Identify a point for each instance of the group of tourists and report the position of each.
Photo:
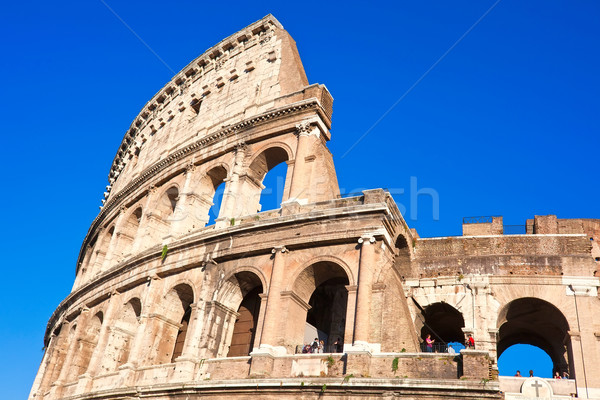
(318, 346)
(557, 374)
(469, 344)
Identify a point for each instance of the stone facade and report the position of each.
(166, 305)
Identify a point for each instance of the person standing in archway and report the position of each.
(429, 344)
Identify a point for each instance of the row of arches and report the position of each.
(525, 321)
(110, 336)
(189, 201)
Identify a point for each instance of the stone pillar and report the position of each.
(186, 217)
(95, 364)
(350, 313)
(67, 366)
(300, 188)
(363, 298)
(228, 204)
(143, 338)
(273, 317)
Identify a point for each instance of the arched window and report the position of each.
(253, 184)
(535, 322)
(210, 189)
(177, 307)
(181, 334)
(444, 323)
(323, 287)
(244, 288)
(122, 333)
(86, 344)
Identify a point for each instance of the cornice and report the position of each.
(233, 130)
(207, 61)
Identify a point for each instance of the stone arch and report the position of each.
(533, 321)
(122, 333)
(240, 299)
(101, 248)
(163, 215)
(129, 231)
(443, 322)
(322, 259)
(87, 340)
(251, 183)
(320, 307)
(206, 190)
(173, 327)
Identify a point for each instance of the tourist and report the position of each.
(429, 341)
(470, 342)
(321, 347)
(315, 345)
(518, 373)
(556, 375)
(339, 345)
(565, 375)
(531, 373)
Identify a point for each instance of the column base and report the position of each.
(360, 346)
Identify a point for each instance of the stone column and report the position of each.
(228, 204)
(67, 365)
(94, 367)
(273, 315)
(307, 136)
(143, 338)
(363, 298)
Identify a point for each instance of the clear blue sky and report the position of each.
(506, 124)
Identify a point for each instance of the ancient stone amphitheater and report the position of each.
(169, 305)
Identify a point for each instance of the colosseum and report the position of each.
(169, 303)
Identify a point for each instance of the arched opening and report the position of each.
(535, 322)
(254, 183)
(121, 336)
(444, 323)
(181, 334)
(525, 358)
(211, 190)
(161, 218)
(177, 305)
(243, 288)
(128, 233)
(274, 186)
(86, 344)
(60, 346)
(323, 287)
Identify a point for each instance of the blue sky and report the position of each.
(505, 124)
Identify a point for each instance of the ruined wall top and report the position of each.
(244, 75)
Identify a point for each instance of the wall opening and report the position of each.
(241, 292)
(177, 308)
(525, 358)
(244, 330)
(535, 322)
(444, 323)
(265, 193)
(323, 287)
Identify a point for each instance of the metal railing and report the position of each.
(486, 219)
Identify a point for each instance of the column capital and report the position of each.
(366, 239)
(307, 128)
